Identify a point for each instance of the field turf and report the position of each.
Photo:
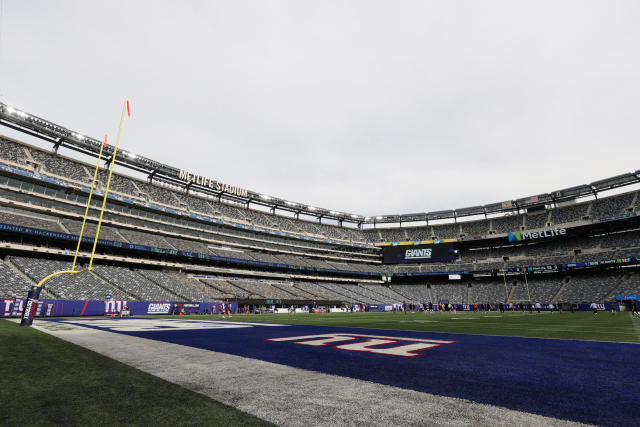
(63, 379)
(604, 326)
(47, 381)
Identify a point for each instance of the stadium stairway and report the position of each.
(614, 291)
(469, 294)
(160, 285)
(132, 296)
(195, 284)
(64, 228)
(363, 294)
(124, 239)
(510, 296)
(564, 282)
(46, 293)
(246, 288)
(213, 291)
(285, 289)
(399, 292)
(589, 208)
(375, 292)
(312, 289)
(346, 298)
(226, 292)
(301, 292)
(137, 189)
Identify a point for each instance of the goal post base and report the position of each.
(30, 306)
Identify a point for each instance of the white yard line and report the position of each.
(290, 396)
(636, 325)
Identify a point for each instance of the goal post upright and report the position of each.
(506, 290)
(125, 107)
(34, 293)
(526, 284)
(86, 211)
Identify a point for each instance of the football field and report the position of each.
(330, 369)
(603, 326)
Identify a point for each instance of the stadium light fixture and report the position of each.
(265, 197)
(311, 208)
(378, 217)
(11, 110)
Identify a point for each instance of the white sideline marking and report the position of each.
(139, 325)
(419, 321)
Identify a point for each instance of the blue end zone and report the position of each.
(590, 382)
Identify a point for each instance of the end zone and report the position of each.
(507, 372)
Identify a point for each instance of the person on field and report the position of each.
(594, 307)
(227, 308)
(634, 308)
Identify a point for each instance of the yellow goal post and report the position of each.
(34, 293)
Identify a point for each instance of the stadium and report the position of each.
(181, 244)
(180, 237)
(273, 235)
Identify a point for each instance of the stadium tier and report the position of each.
(171, 237)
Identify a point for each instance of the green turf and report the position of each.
(604, 326)
(47, 381)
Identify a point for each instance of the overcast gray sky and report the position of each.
(369, 107)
